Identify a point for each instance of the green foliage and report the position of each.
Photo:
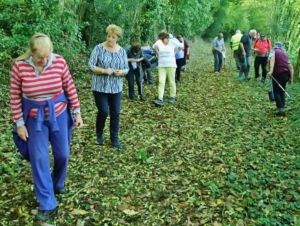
(142, 155)
(192, 17)
(21, 19)
(146, 18)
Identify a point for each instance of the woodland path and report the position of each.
(218, 157)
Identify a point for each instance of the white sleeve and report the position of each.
(175, 42)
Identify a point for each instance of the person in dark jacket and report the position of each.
(135, 59)
(281, 72)
(244, 54)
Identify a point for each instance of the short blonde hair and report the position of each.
(37, 42)
(112, 28)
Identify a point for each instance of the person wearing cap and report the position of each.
(42, 92)
(234, 45)
(244, 54)
(262, 47)
(281, 72)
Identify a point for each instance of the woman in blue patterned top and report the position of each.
(109, 65)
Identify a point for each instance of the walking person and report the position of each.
(165, 47)
(262, 47)
(281, 72)
(234, 45)
(109, 64)
(244, 54)
(218, 47)
(41, 92)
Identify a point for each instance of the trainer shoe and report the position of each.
(158, 102)
(171, 100)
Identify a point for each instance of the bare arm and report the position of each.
(291, 69)
(135, 59)
(242, 48)
(272, 62)
(99, 70)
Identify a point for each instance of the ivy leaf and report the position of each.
(130, 212)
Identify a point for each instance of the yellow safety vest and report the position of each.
(235, 41)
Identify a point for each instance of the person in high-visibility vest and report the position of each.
(234, 45)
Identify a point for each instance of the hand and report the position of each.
(119, 73)
(22, 132)
(270, 73)
(109, 71)
(78, 121)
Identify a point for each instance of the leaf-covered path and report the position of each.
(218, 157)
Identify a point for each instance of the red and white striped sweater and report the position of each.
(51, 82)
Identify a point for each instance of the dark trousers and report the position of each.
(135, 74)
(108, 103)
(236, 58)
(279, 94)
(218, 60)
(245, 66)
(261, 62)
(180, 63)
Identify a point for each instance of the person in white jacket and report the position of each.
(165, 48)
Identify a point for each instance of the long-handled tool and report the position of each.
(280, 86)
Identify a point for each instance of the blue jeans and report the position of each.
(218, 60)
(135, 74)
(108, 103)
(148, 73)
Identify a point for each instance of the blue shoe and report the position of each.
(171, 100)
(158, 102)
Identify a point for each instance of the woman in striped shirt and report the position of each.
(41, 90)
(109, 65)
